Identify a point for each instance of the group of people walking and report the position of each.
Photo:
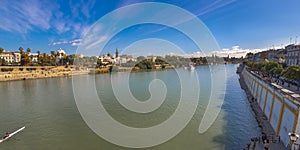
(266, 141)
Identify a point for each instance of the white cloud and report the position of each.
(82, 6)
(31, 15)
(237, 52)
(97, 42)
(58, 43)
(24, 16)
(214, 6)
(75, 42)
(86, 7)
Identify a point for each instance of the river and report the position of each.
(48, 110)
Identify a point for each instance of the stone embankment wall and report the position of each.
(277, 103)
(36, 74)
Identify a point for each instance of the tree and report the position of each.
(270, 65)
(292, 73)
(39, 55)
(44, 59)
(71, 59)
(99, 63)
(277, 70)
(53, 53)
(261, 65)
(2, 61)
(30, 60)
(21, 49)
(1, 50)
(140, 58)
(28, 50)
(25, 60)
(249, 55)
(63, 59)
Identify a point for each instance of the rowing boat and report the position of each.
(12, 134)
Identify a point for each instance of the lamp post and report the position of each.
(293, 137)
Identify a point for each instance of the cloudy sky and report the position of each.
(49, 25)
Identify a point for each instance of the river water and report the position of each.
(48, 110)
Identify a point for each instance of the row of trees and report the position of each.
(2, 61)
(276, 69)
(43, 59)
(146, 63)
(177, 61)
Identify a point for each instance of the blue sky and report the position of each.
(49, 25)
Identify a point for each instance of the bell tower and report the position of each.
(117, 53)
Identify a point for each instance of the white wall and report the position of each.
(275, 113)
(268, 104)
(286, 125)
(288, 116)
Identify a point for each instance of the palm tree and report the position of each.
(53, 59)
(44, 59)
(39, 53)
(24, 59)
(28, 50)
(53, 53)
(63, 59)
(1, 50)
(21, 49)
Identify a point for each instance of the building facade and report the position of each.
(33, 57)
(60, 54)
(11, 57)
(293, 55)
(17, 56)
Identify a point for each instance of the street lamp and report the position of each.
(294, 137)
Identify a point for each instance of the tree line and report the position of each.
(43, 59)
(291, 73)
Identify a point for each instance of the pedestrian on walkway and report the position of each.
(264, 137)
(267, 144)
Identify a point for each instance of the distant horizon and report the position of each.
(232, 53)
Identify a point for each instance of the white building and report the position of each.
(7, 56)
(106, 59)
(126, 58)
(17, 58)
(11, 57)
(293, 55)
(60, 53)
(33, 57)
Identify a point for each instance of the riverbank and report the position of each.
(31, 72)
(262, 120)
(38, 73)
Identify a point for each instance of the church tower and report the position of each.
(117, 53)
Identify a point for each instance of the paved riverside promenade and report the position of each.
(256, 143)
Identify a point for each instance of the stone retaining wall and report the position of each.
(278, 105)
